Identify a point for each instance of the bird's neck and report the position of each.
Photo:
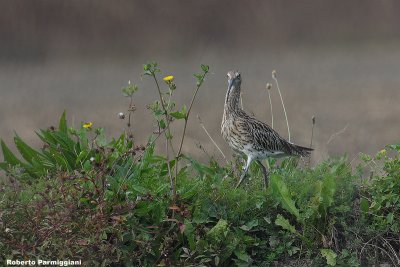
(232, 100)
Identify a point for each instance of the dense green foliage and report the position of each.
(110, 203)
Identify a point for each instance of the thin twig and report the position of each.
(391, 248)
(312, 130)
(185, 125)
(384, 251)
(209, 136)
(333, 136)
(283, 104)
(312, 137)
(270, 104)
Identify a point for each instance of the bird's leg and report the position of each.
(246, 169)
(265, 172)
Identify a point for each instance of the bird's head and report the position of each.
(234, 79)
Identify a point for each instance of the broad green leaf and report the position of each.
(9, 157)
(28, 153)
(330, 256)
(327, 191)
(281, 193)
(285, 224)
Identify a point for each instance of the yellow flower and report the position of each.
(168, 78)
(382, 152)
(87, 125)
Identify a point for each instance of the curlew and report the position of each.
(248, 136)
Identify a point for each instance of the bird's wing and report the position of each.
(265, 138)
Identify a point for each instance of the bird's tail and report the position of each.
(302, 151)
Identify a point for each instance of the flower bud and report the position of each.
(121, 115)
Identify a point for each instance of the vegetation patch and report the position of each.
(116, 203)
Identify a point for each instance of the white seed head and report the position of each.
(91, 159)
(121, 115)
(129, 82)
(274, 74)
(269, 86)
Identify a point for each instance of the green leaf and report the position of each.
(190, 234)
(281, 193)
(330, 256)
(390, 217)
(3, 166)
(139, 189)
(9, 157)
(28, 153)
(129, 90)
(184, 110)
(180, 114)
(242, 255)
(327, 191)
(198, 76)
(364, 205)
(216, 260)
(63, 124)
(217, 233)
(285, 224)
(248, 226)
(162, 124)
(205, 68)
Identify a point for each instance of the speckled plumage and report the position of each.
(249, 136)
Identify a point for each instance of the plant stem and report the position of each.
(272, 113)
(178, 155)
(283, 104)
(212, 140)
(167, 136)
(312, 136)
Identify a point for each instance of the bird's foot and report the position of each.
(241, 180)
(266, 180)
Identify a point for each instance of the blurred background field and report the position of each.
(339, 62)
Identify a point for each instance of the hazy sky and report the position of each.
(339, 61)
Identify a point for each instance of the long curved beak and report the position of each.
(230, 83)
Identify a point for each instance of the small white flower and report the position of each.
(121, 115)
(92, 159)
(7, 230)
